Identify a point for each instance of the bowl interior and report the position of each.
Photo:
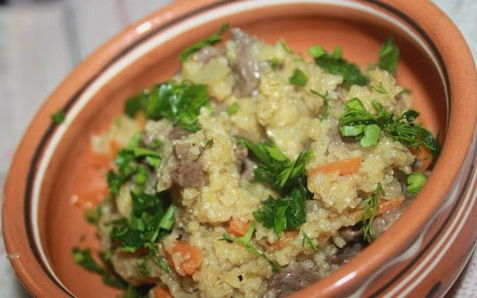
(71, 171)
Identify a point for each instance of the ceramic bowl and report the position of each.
(422, 254)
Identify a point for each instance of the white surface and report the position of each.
(40, 43)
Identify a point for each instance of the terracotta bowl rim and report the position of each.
(447, 41)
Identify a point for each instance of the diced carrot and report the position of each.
(100, 160)
(140, 121)
(389, 205)
(424, 155)
(158, 292)
(186, 258)
(114, 147)
(384, 206)
(90, 199)
(342, 167)
(238, 227)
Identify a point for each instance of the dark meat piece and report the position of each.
(207, 53)
(296, 276)
(246, 69)
(245, 164)
(351, 234)
(188, 171)
(382, 223)
(346, 254)
(247, 169)
(177, 133)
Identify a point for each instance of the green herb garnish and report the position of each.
(58, 117)
(211, 40)
(388, 56)
(83, 258)
(179, 102)
(285, 213)
(245, 241)
(162, 263)
(326, 104)
(288, 178)
(309, 242)
(151, 219)
(335, 64)
(274, 168)
(365, 126)
(415, 182)
(371, 207)
(233, 109)
(298, 78)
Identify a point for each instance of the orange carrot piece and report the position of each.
(141, 121)
(389, 205)
(342, 167)
(238, 227)
(114, 147)
(100, 160)
(158, 292)
(186, 258)
(384, 206)
(424, 155)
(90, 199)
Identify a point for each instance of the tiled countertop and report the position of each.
(41, 42)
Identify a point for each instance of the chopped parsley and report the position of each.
(179, 102)
(335, 64)
(365, 126)
(233, 109)
(326, 104)
(370, 211)
(288, 178)
(388, 56)
(58, 117)
(298, 78)
(275, 63)
(162, 263)
(245, 241)
(285, 47)
(415, 182)
(211, 40)
(152, 217)
(309, 242)
(275, 169)
(284, 213)
(83, 258)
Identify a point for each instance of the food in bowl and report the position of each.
(253, 171)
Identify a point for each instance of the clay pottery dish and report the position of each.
(424, 251)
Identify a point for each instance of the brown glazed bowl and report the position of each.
(422, 254)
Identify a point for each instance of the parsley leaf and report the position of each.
(151, 219)
(335, 64)
(274, 168)
(285, 213)
(233, 109)
(83, 258)
(58, 117)
(245, 241)
(211, 40)
(179, 102)
(415, 182)
(298, 78)
(388, 56)
(366, 127)
(371, 207)
(308, 241)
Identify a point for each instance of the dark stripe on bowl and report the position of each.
(45, 138)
